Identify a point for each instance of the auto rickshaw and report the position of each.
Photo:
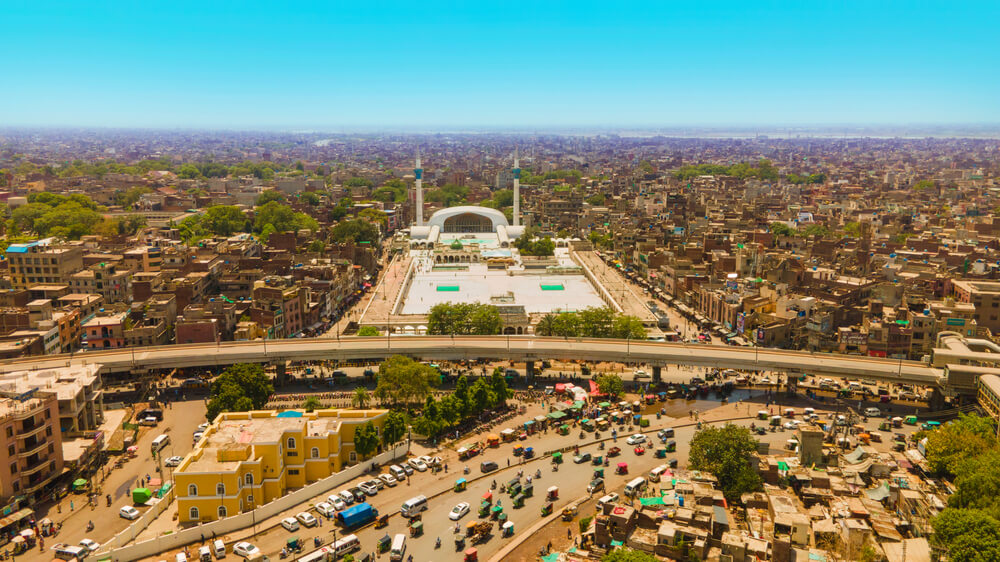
(518, 450)
(518, 501)
(599, 473)
(563, 429)
(671, 446)
(508, 529)
(416, 528)
(459, 541)
(471, 555)
(885, 426)
(488, 498)
(495, 512)
(557, 457)
(552, 493)
(661, 453)
(763, 414)
(484, 509)
(614, 451)
(514, 488)
(529, 452)
(384, 543)
(528, 490)
(910, 420)
(382, 521)
(547, 509)
(461, 484)
(775, 421)
(622, 468)
(569, 512)
(672, 463)
(293, 544)
(596, 461)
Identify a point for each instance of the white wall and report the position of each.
(120, 552)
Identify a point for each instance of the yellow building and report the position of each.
(247, 459)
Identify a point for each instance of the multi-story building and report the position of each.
(78, 391)
(147, 259)
(247, 459)
(280, 307)
(105, 279)
(104, 332)
(985, 295)
(41, 262)
(32, 457)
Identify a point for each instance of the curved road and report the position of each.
(513, 348)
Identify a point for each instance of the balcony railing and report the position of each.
(34, 448)
(35, 466)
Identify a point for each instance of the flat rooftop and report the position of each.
(66, 382)
(538, 293)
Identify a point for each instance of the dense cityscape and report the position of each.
(799, 357)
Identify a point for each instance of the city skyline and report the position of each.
(497, 66)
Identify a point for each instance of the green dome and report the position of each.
(456, 245)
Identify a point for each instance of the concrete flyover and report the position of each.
(514, 348)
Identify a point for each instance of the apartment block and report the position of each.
(32, 457)
(42, 262)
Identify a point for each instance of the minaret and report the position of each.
(418, 172)
(517, 190)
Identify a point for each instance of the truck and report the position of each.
(358, 515)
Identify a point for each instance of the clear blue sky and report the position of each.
(327, 65)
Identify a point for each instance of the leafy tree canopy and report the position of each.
(464, 319)
(764, 170)
(403, 380)
(240, 388)
(355, 230)
(728, 453)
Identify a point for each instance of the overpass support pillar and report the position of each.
(936, 400)
(657, 374)
(280, 373)
(529, 372)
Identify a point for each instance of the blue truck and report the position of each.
(358, 515)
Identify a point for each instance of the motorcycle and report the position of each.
(90, 526)
(493, 485)
(601, 446)
(438, 543)
(538, 473)
(581, 435)
(465, 470)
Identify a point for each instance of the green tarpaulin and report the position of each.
(556, 415)
(782, 465)
(651, 501)
(447, 288)
(558, 287)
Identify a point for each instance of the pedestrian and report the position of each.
(508, 461)
(71, 505)
(203, 538)
(569, 533)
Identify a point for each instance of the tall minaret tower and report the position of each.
(517, 190)
(418, 172)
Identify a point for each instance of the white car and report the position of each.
(636, 439)
(245, 550)
(640, 374)
(791, 424)
(346, 496)
(203, 426)
(368, 488)
(129, 512)
(418, 464)
(387, 479)
(89, 545)
(306, 519)
(379, 484)
(459, 511)
(290, 523)
(173, 461)
(337, 502)
(430, 461)
(326, 509)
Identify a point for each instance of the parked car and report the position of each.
(596, 485)
(636, 439)
(459, 511)
(387, 479)
(245, 550)
(89, 545)
(581, 458)
(337, 502)
(325, 509)
(377, 482)
(290, 523)
(306, 519)
(368, 488)
(488, 466)
(347, 496)
(418, 464)
(407, 469)
(129, 512)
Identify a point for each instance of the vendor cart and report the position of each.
(569, 512)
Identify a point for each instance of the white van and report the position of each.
(413, 506)
(397, 472)
(610, 498)
(398, 547)
(160, 442)
(219, 548)
(634, 487)
(346, 545)
(656, 473)
(205, 554)
(873, 412)
(69, 552)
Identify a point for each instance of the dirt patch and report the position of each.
(555, 534)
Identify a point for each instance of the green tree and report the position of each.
(596, 199)
(358, 182)
(240, 388)
(366, 440)
(924, 184)
(622, 554)
(403, 380)
(462, 394)
(968, 534)
(188, 172)
(311, 403)
(781, 229)
(356, 230)
(728, 453)
(546, 325)
(958, 441)
(366, 331)
(394, 428)
(464, 319)
(317, 246)
(852, 229)
(131, 196)
(361, 398)
(628, 327)
(498, 386)
(376, 216)
(482, 395)
(224, 220)
(270, 195)
(282, 218)
(610, 384)
(310, 198)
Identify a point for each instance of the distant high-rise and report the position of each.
(418, 173)
(517, 190)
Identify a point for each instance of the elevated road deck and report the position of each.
(513, 348)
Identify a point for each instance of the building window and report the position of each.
(10, 431)
(293, 472)
(11, 451)
(291, 443)
(315, 452)
(222, 511)
(220, 489)
(192, 491)
(248, 479)
(250, 499)
(193, 513)
(48, 431)
(353, 457)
